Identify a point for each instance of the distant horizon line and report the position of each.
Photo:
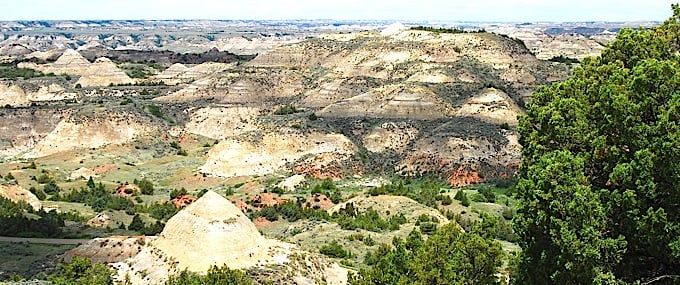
(338, 20)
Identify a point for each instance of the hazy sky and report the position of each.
(451, 10)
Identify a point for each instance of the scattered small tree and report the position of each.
(145, 186)
(136, 224)
(462, 197)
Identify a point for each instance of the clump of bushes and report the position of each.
(334, 249)
(145, 186)
(564, 59)
(155, 110)
(424, 191)
(438, 30)
(287, 110)
(350, 218)
(14, 72)
(462, 197)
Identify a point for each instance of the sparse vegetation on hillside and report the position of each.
(350, 218)
(11, 71)
(423, 191)
(291, 211)
(215, 276)
(161, 211)
(96, 197)
(174, 193)
(462, 197)
(328, 188)
(155, 110)
(335, 250)
(137, 71)
(438, 30)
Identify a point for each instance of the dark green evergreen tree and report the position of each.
(136, 224)
(598, 189)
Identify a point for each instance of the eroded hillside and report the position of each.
(404, 112)
(411, 102)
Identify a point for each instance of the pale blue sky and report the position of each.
(449, 10)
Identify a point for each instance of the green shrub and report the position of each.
(136, 224)
(44, 178)
(96, 197)
(269, 213)
(216, 275)
(462, 197)
(31, 166)
(438, 30)
(177, 192)
(276, 190)
(368, 241)
(38, 193)
(13, 72)
(428, 228)
(564, 59)
(161, 211)
(445, 199)
(508, 213)
(349, 218)
(81, 270)
(488, 194)
(287, 110)
(334, 249)
(145, 186)
(155, 110)
(51, 188)
(424, 191)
